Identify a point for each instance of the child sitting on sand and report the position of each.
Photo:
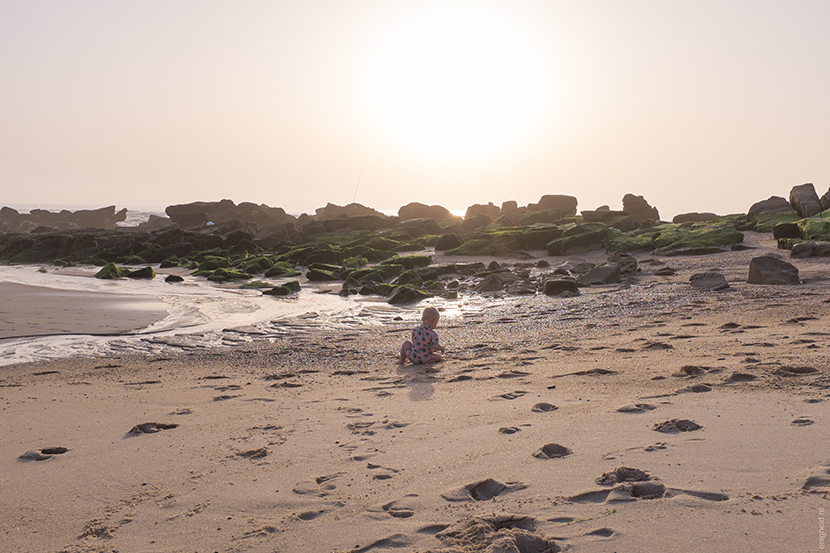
(424, 346)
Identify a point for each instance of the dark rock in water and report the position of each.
(145, 273)
(407, 294)
(416, 210)
(319, 275)
(805, 200)
(110, 271)
(774, 205)
(603, 274)
(173, 278)
(490, 211)
(639, 208)
(284, 289)
(694, 217)
(556, 286)
(772, 270)
(448, 242)
(565, 205)
(708, 281)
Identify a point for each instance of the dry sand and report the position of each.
(321, 442)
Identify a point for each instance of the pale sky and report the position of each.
(698, 106)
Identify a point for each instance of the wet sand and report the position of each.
(27, 311)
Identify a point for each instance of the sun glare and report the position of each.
(456, 89)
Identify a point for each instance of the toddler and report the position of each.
(424, 346)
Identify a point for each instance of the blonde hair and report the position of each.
(429, 315)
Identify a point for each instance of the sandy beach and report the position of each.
(647, 417)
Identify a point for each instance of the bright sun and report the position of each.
(457, 89)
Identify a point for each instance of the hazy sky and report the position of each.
(698, 106)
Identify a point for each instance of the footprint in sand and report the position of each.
(543, 408)
(42, 454)
(509, 395)
(509, 430)
(637, 408)
(319, 487)
(622, 474)
(151, 427)
(696, 389)
(802, 421)
(253, 453)
(552, 451)
(819, 480)
(676, 425)
(483, 490)
(496, 533)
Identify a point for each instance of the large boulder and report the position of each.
(416, 210)
(774, 205)
(617, 219)
(421, 226)
(772, 270)
(825, 201)
(639, 209)
(557, 286)
(694, 217)
(805, 200)
(272, 236)
(566, 205)
(448, 242)
(490, 211)
(332, 211)
(264, 215)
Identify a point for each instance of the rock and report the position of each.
(537, 217)
(502, 221)
(786, 230)
(803, 250)
(510, 206)
(407, 294)
(144, 273)
(448, 242)
(272, 236)
(565, 205)
(694, 217)
(417, 210)
(579, 239)
(822, 249)
(173, 278)
(805, 201)
(420, 226)
(774, 205)
(617, 219)
(665, 271)
(490, 211)
(557, 286)
(772, 270)
(825, 201)
(490, 283)
(708, 281)
(331, 211)
(521, 288)
(639, 209)
(628, 265)
(604, 274)
(109, 271)
(409, 262)
(695, 238)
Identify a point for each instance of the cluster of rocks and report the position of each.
(41, 220)
(371, 253)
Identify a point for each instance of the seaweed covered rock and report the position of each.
(774, 205)
(695, 238)
(143, 273)
(222, 275)
(448, 242)
(281, 268)
(407, 294)
(110, 271)
(257, 264)
(616, 219)
(174, 279)
(537, 236)
(565, 205)
(285, 289)
(410, 261)
(578, 238)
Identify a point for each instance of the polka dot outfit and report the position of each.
(424, 343)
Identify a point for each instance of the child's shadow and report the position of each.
(419, 378)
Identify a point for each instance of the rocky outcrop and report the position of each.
(490, 211)
(565, 205)
(825, 201)
(694, 217)
(774, 205)
(331, 211)
(639, 208)
(805, 201)
(417, 210)
(104, 218)
(201, 213)
(772, 270)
